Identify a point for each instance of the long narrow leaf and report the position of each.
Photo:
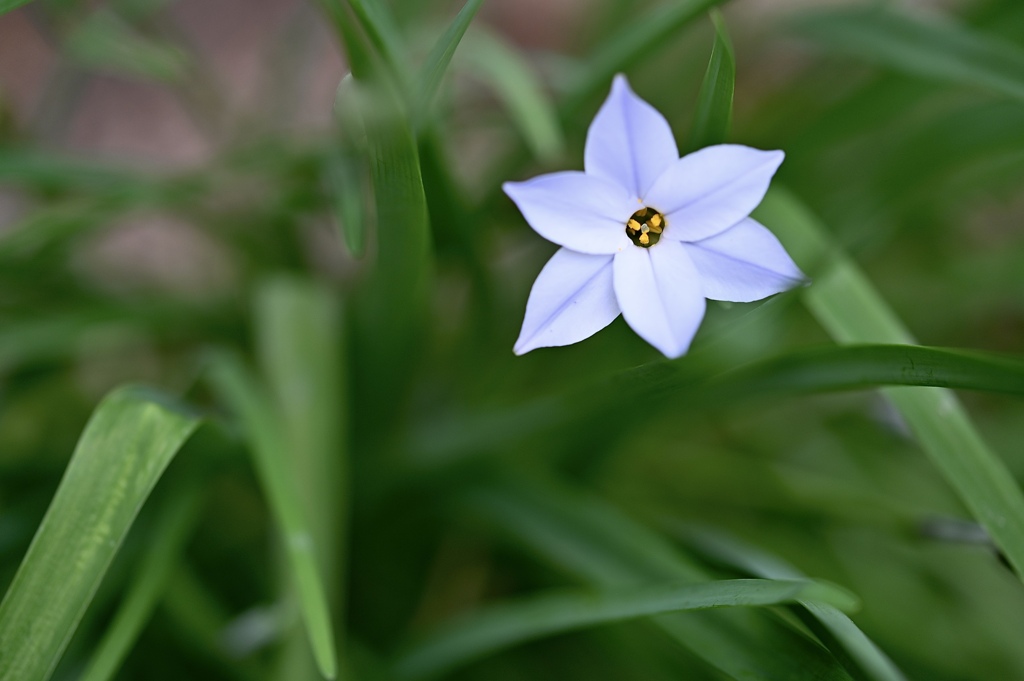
(630, 44)
(829, 369)
(933, 49)
(530, 109)
(8, 5)
(128, 443)
(370, 39)
(815, 370)
(847, 305)
(265, 432)
(757, 563)
(714, 101)
(393, 305)
(298, 340)
(597, 544)
(200, 619)
(152, 577)
(348, 167)
(440, 57)
(502, 626)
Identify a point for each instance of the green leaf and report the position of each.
(105, 41)
(847, 305)
(430, 75)
(829, 369)
(501, 67)
(701, 386)
(347, 190)
(758, 563)
(201, 620)
(393, 305)
(347, 167)
(714, 101)
(501, 626)
(401, 280)
(300, 346)
(170, 532)
(631, 44)
(372, 42)
(599, 545)
(932, 49)
(129, 441)
(265, 432)
(8, 5)
(375, 17)
(53, 224)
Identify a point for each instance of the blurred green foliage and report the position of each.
(381, 490)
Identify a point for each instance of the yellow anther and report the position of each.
(644, 227)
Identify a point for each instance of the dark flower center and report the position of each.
(644, 228)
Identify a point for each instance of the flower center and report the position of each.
(644, 228)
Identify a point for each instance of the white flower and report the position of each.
(647, 234)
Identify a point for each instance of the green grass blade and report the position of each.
(265, 432)
(829, 369)
(53, 224)
(348, 166)
(371, 41)
(201, 620)
(714, 101)
(875, 663)
(939, 50)
(129, 441)
(501, 67)
(401, 281)
(104, 41)
(501, 626)
(583, 536)
(599, 545)
(170, 532)
(433, 70)
(298, 342)
(847, 305)
(8, 5)
(347, 190)
(392, 307)
(755, 562)
(634, 42)
(704, 387)
(376, 20)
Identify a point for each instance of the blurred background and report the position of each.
(168, 167)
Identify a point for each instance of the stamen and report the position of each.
(645, 226)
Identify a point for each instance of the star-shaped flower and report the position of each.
(647, 234)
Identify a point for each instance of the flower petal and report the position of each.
(744, 263)
(572, 299)
(710, 190)
(659, 291)
(629, 142)
(586, 214)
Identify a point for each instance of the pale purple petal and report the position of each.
(659, 292)
(744, 263)
(629, 142)
(583, 213)
(572, 299)
(710, 190)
